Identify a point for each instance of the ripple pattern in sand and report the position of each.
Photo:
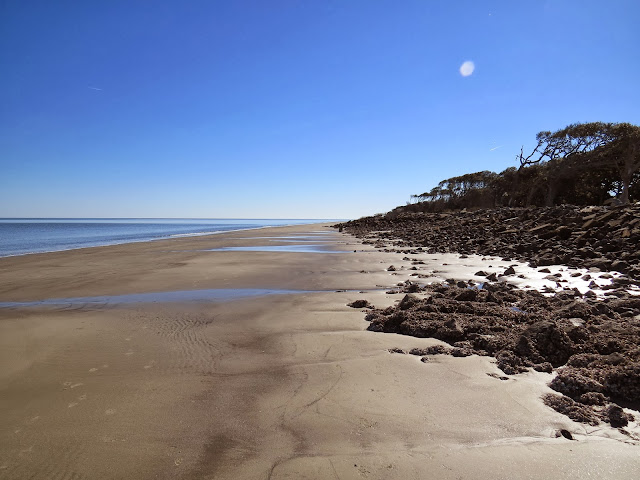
(192, 351)
(34, 460)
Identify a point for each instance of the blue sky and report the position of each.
(291, 109)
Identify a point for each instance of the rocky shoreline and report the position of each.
(591, 342)
(607, 238)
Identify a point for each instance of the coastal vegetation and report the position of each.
(582, 164)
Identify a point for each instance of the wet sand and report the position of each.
(275, 386)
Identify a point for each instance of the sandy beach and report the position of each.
(273, 386)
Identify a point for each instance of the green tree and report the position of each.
(623, 153)
(576, 148)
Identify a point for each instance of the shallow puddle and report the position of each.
(209, 295)
(277, 248)
(290, 238)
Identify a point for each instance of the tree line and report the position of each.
(582, 164)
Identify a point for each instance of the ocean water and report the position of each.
(20, 236)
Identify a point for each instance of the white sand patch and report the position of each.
(439, 267)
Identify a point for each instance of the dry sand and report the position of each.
(270, 387)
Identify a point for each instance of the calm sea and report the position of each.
(19, 236)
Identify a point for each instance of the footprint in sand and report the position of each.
(110, 411)
(71, 385)
(25, 451)
(81, 398)
(150, 365)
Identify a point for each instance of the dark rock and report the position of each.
(620, 265)
(592, 398)
(418, 351)
(360, 304)
(617, 417)
(437, 350)
(378, 325)
(548, 341)
(408, 301)
(543, 367)
(623, 382)
(460, 352)
(573, 384)
(370, 317)
(411, 287)
(566, 434)
(467, 295)
(575, 411)
(509, 363)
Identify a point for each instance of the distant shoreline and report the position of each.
(128, 242)
(20, 237)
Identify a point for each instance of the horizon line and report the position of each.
(163, 218)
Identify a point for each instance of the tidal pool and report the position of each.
(277, 248)
(207, 295)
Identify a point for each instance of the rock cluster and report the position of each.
(594, 344)
(360, 304)
(604, 237)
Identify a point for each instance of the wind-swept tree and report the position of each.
(623, 153)
(470, 189)
(563, 154)
(576, 148)
(581, 164)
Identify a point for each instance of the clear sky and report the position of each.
(291, 108)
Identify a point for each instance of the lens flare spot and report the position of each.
(467, 68)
